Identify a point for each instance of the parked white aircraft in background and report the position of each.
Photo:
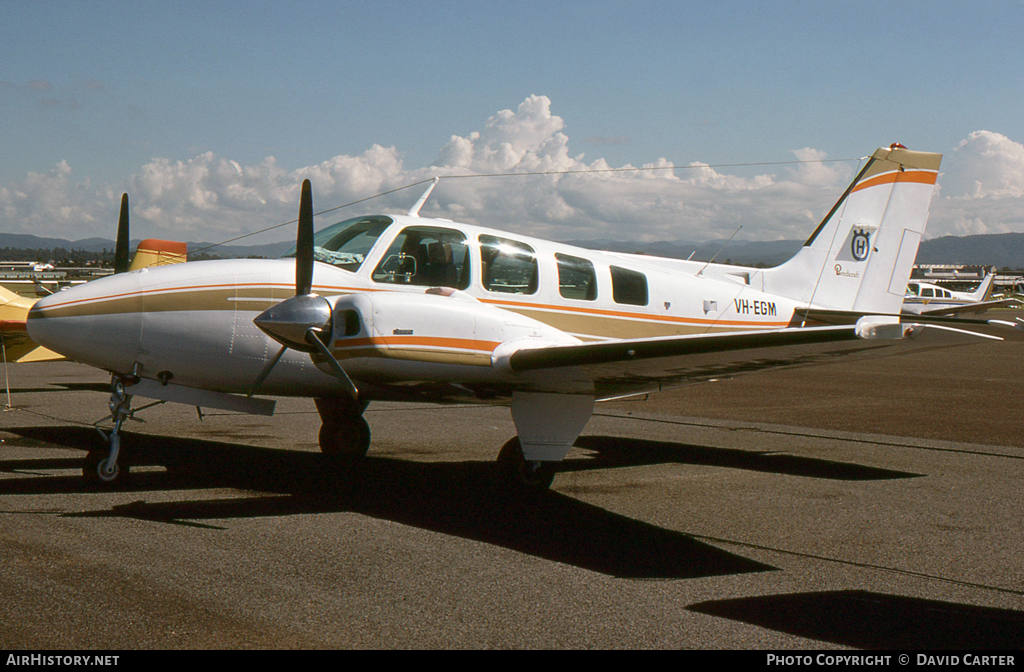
(924, 298)
(399, 307)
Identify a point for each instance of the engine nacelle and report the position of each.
(440, 327)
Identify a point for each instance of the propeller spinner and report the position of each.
(305, 320)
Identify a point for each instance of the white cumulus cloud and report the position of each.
(553, 192)
(981, 188)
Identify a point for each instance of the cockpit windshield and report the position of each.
(347, 243)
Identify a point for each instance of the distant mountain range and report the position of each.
(1005, 250)
(30, 242)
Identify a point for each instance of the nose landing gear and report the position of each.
(101, 466)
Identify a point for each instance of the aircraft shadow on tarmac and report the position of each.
(869, 620)
(464, 499)
(615, 452)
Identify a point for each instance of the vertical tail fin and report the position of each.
(860, 256)
(984, 290)
(153, 252)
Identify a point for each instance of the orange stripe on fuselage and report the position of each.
(421, 341)
(915, 176)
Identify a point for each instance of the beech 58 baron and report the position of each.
(399, 307)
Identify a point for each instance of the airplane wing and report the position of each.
(972, 308)
(627, 367)
(17, 346)
(647, 365)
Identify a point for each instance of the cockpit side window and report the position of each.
(507, 266)
(426, 255)
(347, 243)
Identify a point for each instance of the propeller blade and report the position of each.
(267, 369)
(121, 246)
(313, 339)
(304, 243)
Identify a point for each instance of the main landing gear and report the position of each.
(344, 434)
(529, 477)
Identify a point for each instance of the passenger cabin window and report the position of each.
(926, 291)
(507, 266)
(347, 243)
(576, 278)
(428, 256)
(629, 287)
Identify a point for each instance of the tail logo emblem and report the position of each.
(860, 244)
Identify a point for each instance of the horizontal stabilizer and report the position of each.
(1004, 330)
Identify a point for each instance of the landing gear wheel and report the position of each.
(524, 476)
(95, 470)
(345, 439)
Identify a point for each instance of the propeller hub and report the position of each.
(288, 321)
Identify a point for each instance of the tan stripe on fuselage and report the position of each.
(620, 324)
(578, 320)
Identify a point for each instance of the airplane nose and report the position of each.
(98, 323)
(39, 330)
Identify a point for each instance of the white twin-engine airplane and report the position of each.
(390, 307)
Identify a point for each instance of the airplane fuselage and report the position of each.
(193, 323)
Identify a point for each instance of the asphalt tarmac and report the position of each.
(871, 503)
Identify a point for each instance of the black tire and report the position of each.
(525, 477)
(345, 439)
(93, 472)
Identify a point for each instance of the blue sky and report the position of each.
(165, 99)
